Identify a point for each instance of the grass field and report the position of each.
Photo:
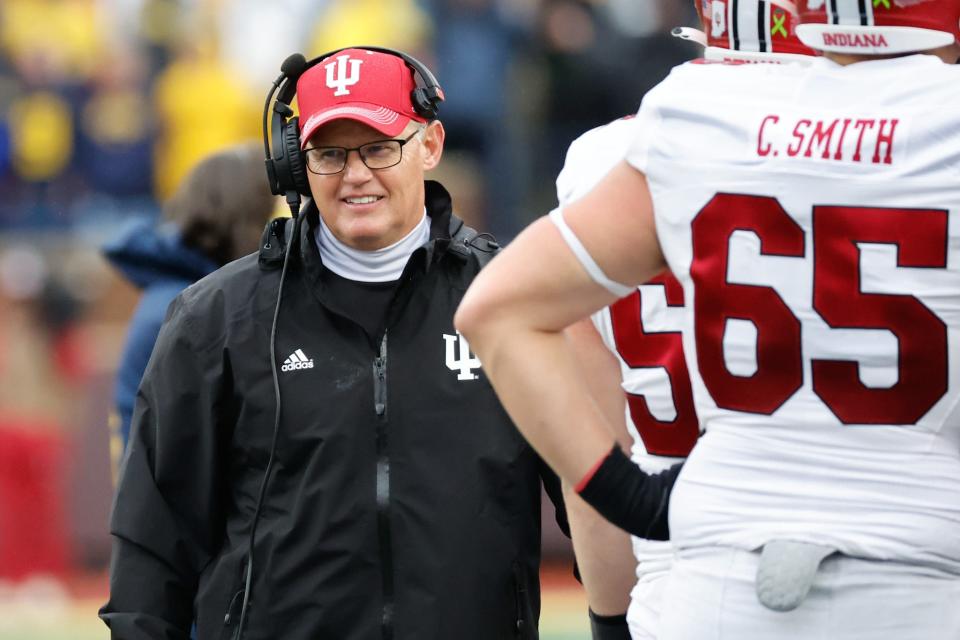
(44, 610)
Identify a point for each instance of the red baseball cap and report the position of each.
(367, 86)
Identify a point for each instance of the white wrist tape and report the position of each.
(596, 273)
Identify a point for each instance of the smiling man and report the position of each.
(393, 498)
(362, 203)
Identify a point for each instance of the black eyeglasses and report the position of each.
(380, 154)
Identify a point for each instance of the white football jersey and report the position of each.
(643, 331)
(812, 215)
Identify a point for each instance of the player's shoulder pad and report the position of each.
(602, 137)
(690, 84)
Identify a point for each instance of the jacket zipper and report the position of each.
(383, 488)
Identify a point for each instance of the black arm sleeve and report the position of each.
(167, 518)
(628, 497)
(609, 627)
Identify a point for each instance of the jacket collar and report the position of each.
(443, 224)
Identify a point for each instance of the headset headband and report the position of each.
(430, 83)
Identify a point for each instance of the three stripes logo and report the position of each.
(297, 360)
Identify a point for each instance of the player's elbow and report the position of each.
(480, 315)
(473, 316)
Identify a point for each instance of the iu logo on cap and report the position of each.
(339, 78)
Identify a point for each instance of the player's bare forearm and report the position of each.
(603, 550)
(604, 556)
(601, 371)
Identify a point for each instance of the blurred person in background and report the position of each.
(115, 138)
(44, 365)
(393, 495)
(398, 24)
(590, 58)
(9, 182)
(41, 134)
(196, 78)
(476, 49)
(215, 216)
(54, 49)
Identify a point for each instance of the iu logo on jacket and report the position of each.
(458, 357)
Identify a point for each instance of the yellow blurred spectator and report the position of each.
(398, 24)
(117, 112)
(42, 135)
(67, 31)
(201, 107)
(159, 22)
(116, 116)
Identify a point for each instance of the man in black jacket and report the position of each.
(394, 499)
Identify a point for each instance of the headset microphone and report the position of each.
(294, 65)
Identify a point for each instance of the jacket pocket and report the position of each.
(524, 623)
(232, 616)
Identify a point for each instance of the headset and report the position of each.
(286, 164)
(287, 173)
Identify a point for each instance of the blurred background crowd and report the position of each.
(105, 105)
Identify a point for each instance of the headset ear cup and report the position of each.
(420, 105)
(423, 104)
(296, 164)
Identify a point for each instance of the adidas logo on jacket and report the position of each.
(297, 360)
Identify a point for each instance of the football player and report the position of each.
(636, 342)
(810, 216)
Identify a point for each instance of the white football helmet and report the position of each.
(748, 31)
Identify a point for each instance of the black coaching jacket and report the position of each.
(402, 503)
